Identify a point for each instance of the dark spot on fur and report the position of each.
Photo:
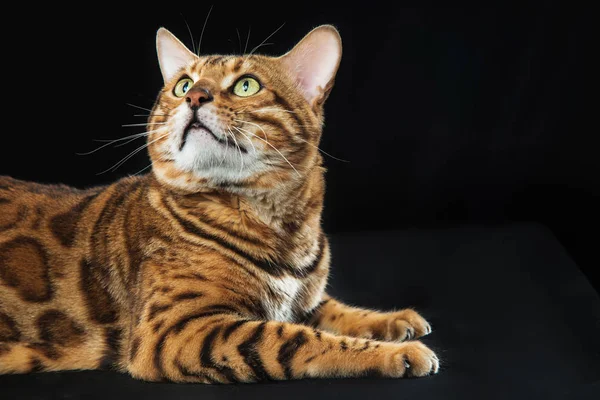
(113, 346)
(64, 226)
(24, 266)
(8, 329)
(288, 350)
(160, 252)
(249, 352)
(156, 309)
(101, 306)
(187, 296)
(135, 345)
(56, 327)
(372, 373)
(35, 365)
(318, 334)
(46, 349)
(4, 348)
(157, 326)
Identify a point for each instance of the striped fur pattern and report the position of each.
(212, 268)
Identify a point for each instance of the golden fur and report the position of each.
(191, 276)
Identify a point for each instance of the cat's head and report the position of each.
(240, 122)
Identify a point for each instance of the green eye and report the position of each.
(246, 86)
(182, 87)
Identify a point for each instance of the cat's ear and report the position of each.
(172, 54)
(314, 61)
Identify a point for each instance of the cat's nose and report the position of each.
(196, 96)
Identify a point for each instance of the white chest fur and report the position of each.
(279, 304)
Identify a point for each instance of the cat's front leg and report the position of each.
(339, 318)
(222, 348)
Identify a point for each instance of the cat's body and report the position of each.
(198, 271)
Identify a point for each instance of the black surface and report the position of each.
(512, 315)
(446, 114)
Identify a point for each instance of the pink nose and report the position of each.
(198, 95)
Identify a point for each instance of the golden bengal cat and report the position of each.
(211, 268)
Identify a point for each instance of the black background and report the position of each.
(447, 115)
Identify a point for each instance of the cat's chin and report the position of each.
(200, 132)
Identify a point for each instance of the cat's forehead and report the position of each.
(227, 68)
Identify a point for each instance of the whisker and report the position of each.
(150, 115)
(247, 39)
(225, 152)
(267, 38)
(274, 148)
(203, 27)
(133, 153)
(144, 124)
(263, 45)
(247, 138)
(162, 158)
(240, 150)
(322, 151)
(190, 32)
(141, 108)
(252, 123)
(111, 141)
(239, 38)
(129, 141)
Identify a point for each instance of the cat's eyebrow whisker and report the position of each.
(133, 153)
(274, 148)
(240, 150)
(203, 27)
(111, 141)
(263, 45)
(246, 136)
(190, 32)
(150, 115)
(239, 38)
(247, 39)
(321, 150)
(252, 123)
(263, 42)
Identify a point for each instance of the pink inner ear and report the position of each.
(314, 61)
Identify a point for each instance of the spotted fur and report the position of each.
(208, 269)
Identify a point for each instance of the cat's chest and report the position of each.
(281, 300)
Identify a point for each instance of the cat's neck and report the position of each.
(288, 207)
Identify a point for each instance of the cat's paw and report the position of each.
(411, 359)
(393, 326)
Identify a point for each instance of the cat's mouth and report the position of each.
(196, 124)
